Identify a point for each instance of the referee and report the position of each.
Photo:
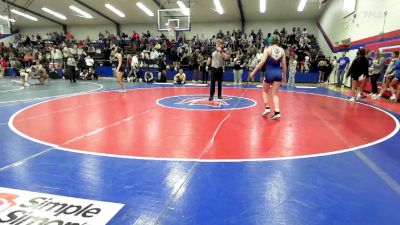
(217, 61)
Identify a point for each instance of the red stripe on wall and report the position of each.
(376, 46)
(335, 49)
(391, 34)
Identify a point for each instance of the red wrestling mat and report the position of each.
(135, 125)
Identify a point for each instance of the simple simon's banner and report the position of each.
(25, 207)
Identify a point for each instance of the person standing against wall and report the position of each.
(343, 62)
(322, 65)
(389, 75)
(377, 67)
(333, 76)
(292, 70)
(358, 72)
(395, 82)
(217, 62)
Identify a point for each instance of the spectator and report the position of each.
(237, 69)
(154, 55)
(195, 66)
(180, 78)
(133, 76)
(395, 82)
(358, 72)
(27, 59)
(203, 63)
(16, 65)
(292, 70)
(162, 70)
(74, 51)
(389, 75)
(322, 66)
(252, 63)
(148, 77)
(343, 62)
(57, 57)
(334, 65)
(377, 67)
(90, 66)
(4, 65)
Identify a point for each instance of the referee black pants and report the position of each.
(71, 73)
(216, 75)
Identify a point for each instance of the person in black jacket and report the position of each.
(358, 72)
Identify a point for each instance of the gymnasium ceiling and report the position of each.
(202, 11)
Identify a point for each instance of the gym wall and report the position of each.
(202, 29)
(363, 26)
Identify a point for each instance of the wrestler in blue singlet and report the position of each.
(273, 65)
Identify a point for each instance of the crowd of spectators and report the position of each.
(60, 51)
(54, 50)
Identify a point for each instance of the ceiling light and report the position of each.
(80, 11)
(6, 18)
(24, 15)
(349, 5)
(185, 11)
(218, 6)
(56, 14)
(145, 9)
(114, 10)
(302, 5)
(263, 6)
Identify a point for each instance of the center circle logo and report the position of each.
(201, 102)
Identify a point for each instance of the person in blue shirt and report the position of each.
(343, 62)
(395, 82)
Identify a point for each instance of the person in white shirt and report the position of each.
(133, 75)
(252, 63)
(145, 57)
(154, 54)
(292, 70)
(335, 65)
(80, 51)
(74, 51)
(259, 55)
(25, 73)
(258, 58)
(57, 57)
(90, 65)
(66, 53)
(135, 62)
(216, 62)
(180, 78)
(307, 64)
